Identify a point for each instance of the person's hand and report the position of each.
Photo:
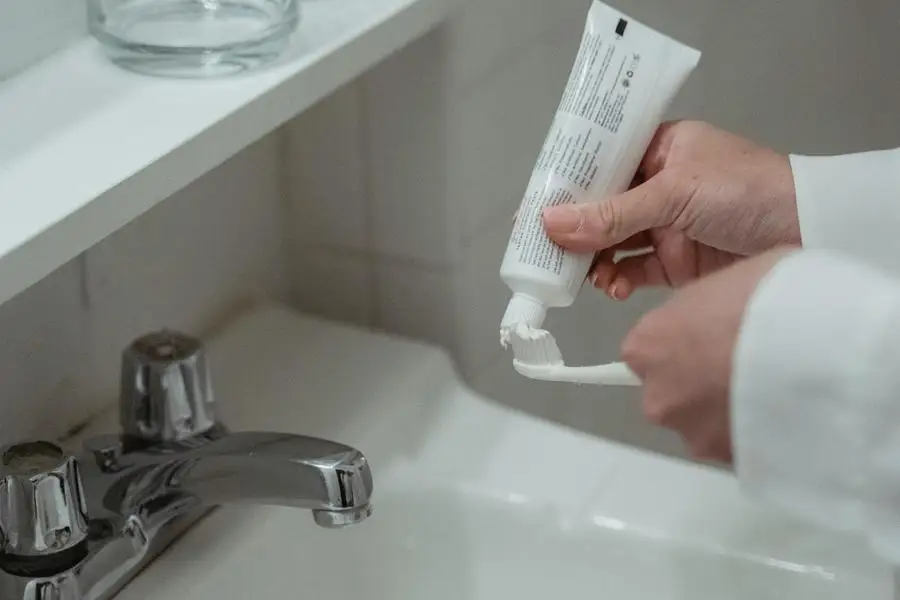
(682, 352)
(703, 198)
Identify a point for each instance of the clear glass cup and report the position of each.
(193, 38)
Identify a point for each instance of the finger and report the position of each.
(635, 272)
(602, 275)
(600, 225)
(603, 269)
(680, 255)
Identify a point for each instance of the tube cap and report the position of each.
(524, 309)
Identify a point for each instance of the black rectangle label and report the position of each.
(620, 28)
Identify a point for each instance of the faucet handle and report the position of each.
(166, 393)
(42, 505)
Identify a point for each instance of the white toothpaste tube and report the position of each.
(624, 79)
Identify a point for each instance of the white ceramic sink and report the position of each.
(476, 502)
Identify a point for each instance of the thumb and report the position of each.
(599, 225)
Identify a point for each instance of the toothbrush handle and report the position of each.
(616, 373)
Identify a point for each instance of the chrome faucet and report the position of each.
(81, 527)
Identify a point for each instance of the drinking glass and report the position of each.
(193, 38)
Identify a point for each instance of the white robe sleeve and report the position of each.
(851, 203)
(816, 375)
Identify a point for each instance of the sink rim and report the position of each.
(412, 388)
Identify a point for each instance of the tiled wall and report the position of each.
(402, 188)
(189, 263)
(404, 183)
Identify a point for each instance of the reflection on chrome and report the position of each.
(80, 528)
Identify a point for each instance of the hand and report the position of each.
(683, 351)
(703, 199)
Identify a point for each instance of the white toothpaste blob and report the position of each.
(624, 79)
(534, 346)
(520, 331)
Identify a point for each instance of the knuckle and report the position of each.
(648, 326)
(608, 219)
(674, 179)
(663, 415)
(633, 350)
(693, 128)
(679, 184)
(638, 346)
(656, 413)
(688, 133)
(670, 177)
(708, 448)
(660, 410)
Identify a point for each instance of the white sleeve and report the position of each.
(816, 395)
(851, 203)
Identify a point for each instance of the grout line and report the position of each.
(368, 185)
(289, 202)
(86, 300)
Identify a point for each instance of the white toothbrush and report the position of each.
(537, 356)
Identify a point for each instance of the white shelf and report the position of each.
(85, 147)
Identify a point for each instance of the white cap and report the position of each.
(526, 310)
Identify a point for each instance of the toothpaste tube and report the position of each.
(624, 79)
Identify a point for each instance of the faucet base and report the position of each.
(155, 545)
(114, 558)
(119, 504)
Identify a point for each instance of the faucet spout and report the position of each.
(80, 527)
(160, 482)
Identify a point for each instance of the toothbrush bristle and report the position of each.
(538, 348)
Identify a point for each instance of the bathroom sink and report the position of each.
(474, 501)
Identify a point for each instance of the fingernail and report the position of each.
(617, 290)
(592, 279)
(562, 219)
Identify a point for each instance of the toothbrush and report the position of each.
(537, 356)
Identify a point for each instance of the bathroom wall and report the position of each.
(401, 190)
(32, 29)
(190, 263)
(404, 183)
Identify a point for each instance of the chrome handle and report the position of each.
(42, 505)
(166, 394)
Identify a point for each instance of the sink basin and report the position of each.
(474, 501)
